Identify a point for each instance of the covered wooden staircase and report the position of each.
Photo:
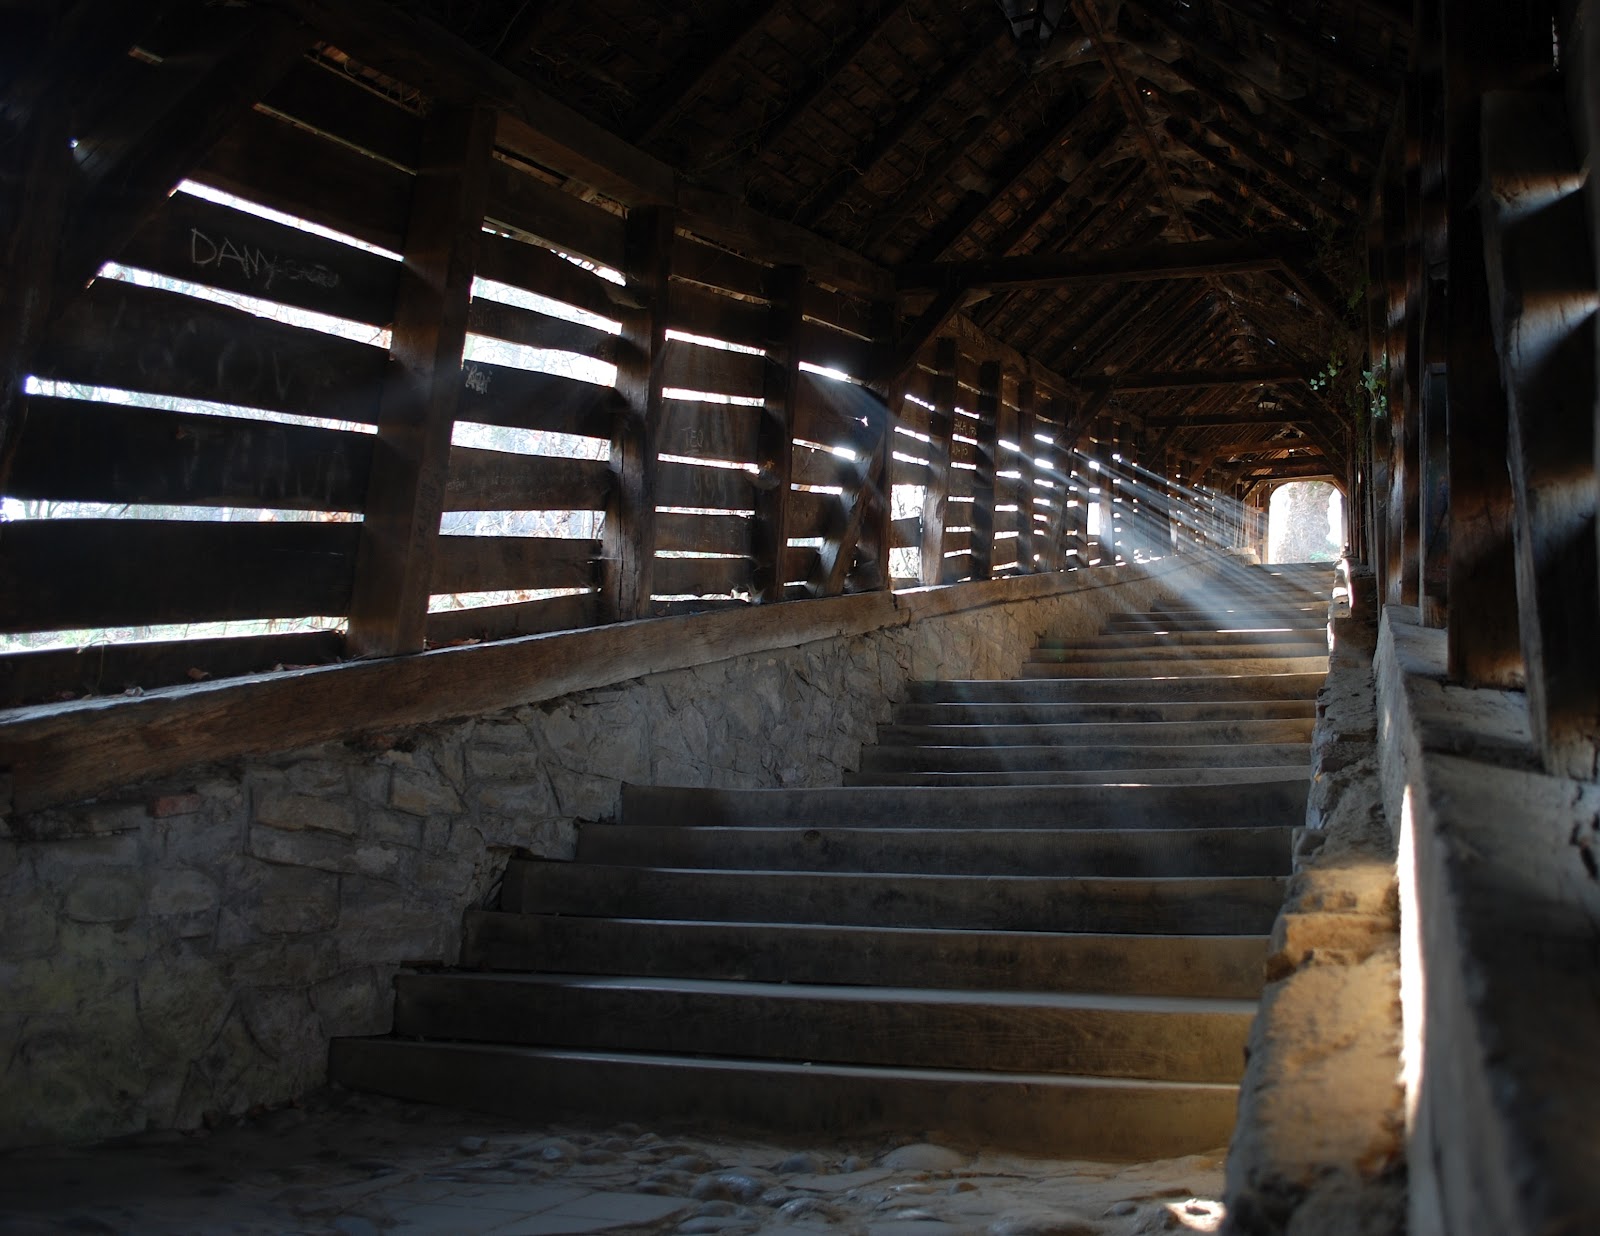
(1037, 919)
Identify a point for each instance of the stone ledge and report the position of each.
(1502, 914)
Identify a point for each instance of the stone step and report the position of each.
(1109, 779)
(951, 851)
(1302, 685)
(1230, 905)
(1091, 734)
(1280, 799)
(1157, 1038)
(1100, 757)
(1222, 966)
(1002, 713)
(1202, 656)
(1313, 634)
(1154, 668)
(1041, 1114)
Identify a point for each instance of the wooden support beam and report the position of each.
(1542, 295)
(405, 496)
(1199, 379)
(775, 438)
(838, 551)
(1189, 260)
(902, 357)
(1484, 646)
(985, 452)
(941, 425)
(1027, 419)
(628, 579)
(897, 128)
(1316, 47)
(685, 83)
(1218, 420)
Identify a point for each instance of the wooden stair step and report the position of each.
(1194, 639)
(1153, 1037)
(1043, 1114)
(1141, 853)
(1279, 800)
(1155, 651)
(1231, 905)
(1005, 713)
(1221, 966)
(1113, 780)
(1099, 733)
(1157, 669)
(1300, 685)
(1101, 757)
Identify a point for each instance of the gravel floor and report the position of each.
(354, 1165)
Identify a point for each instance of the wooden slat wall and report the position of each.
(765, 480)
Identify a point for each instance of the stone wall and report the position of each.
(184, 948)
(1319, 1149)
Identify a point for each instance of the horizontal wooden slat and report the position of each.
(834, 414)
(810, 514)
(688, 366)
(957, 542)
(958, 568)
(492, 563)
(799, 563)
(110, 669)
(522, 203)
(961, 482)
(72, 450)
(832, 350)
(500, 481)
(526, 399)
(837, 309)
(709, 430)
(697, 605)
(536, 269)
(327, 100)
(824, 468)
(72, 573)
(706, 264)
(276, 164)
(487, 622)
(197, 241)
(537, 330)
(705, 534)
(727, 489)
(702, 576)
(696, 311)
(139, 339)
(907, 532)
(913, 416)
(1005, 552)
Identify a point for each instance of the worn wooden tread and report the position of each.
(1103, 757)
(1099, 733)
(1299, 685)
(1154, 1037)
(1026, 1112)
(1000, 712)
(968, 851)
(1223, 966)
(1114, 780)
(1275, 800)
(1157, 671)
(1225, 905)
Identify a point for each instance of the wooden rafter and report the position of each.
(1310, 43)
(862, 164)
(687, 82)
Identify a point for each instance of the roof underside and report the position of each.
(915, 131)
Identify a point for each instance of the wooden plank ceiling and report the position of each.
(915, 132)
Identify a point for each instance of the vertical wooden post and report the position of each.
(1027, 397)
(983, 482)
(1053, 551)
(1484, 647)
(1542, 292)
(775, 437)
(935, 499)
(405, 496)
(630, 531)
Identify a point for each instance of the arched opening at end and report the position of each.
(1305, 523)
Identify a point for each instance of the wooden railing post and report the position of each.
(1027, 397)
(941, 424)
(628, 581)
(405, 497)
(983, 482)
(775, 439)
